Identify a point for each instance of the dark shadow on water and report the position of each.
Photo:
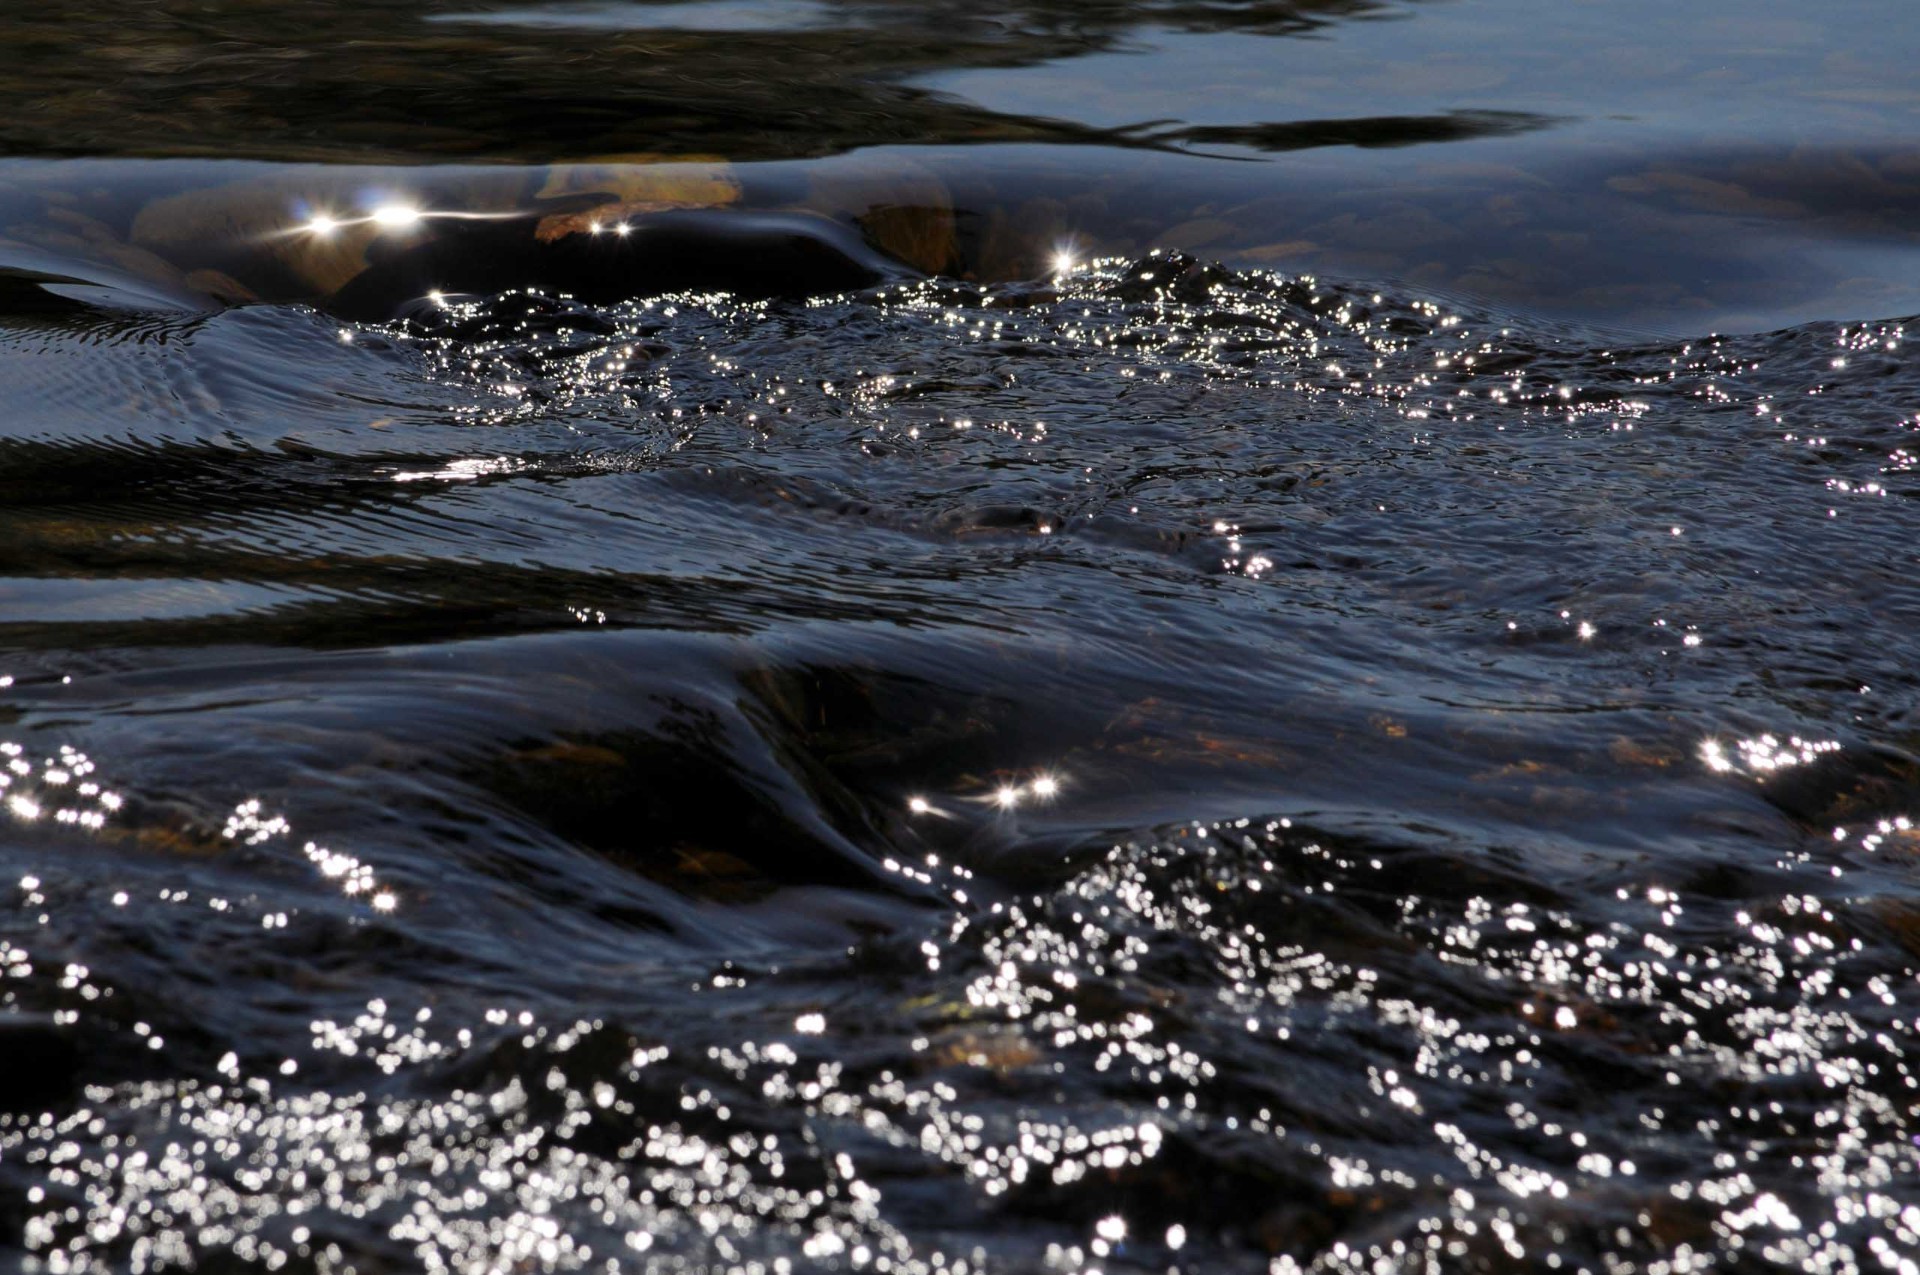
(451, 79)
(1369, 132)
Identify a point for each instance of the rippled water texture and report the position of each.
(1178, 768)
(959, 638)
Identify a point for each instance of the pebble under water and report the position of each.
(1159, 768)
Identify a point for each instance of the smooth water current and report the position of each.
(1041, 710)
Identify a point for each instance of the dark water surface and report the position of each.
(998, 725)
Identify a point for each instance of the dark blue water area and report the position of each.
(914, 639)
(1686, 167)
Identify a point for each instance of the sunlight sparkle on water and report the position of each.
(1362, 1018)
(393, 215)
(396, 216)
(1044, 786)
(1765, 754)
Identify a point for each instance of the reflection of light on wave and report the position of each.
(393, 215)
(396, 216)
(460, 471)
(1067, 256)
(1765, 754)
(33, 794)
(1044, 786)
(247, 826)
(61, 788)
(1768, 755)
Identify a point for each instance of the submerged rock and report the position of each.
(747, 254)
(366, 243)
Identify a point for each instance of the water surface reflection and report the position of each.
(1188, 699)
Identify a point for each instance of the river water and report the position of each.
(1223, 637)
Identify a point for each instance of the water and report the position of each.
(1091, 748)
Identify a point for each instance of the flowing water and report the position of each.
(1224, 637)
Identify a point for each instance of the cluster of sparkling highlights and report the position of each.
(250, 826)
(60, 788)
(1766, 753)
(399, 216)
(1540, 1030)
(386, 216)
(1043, 786)
(757, 1142)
